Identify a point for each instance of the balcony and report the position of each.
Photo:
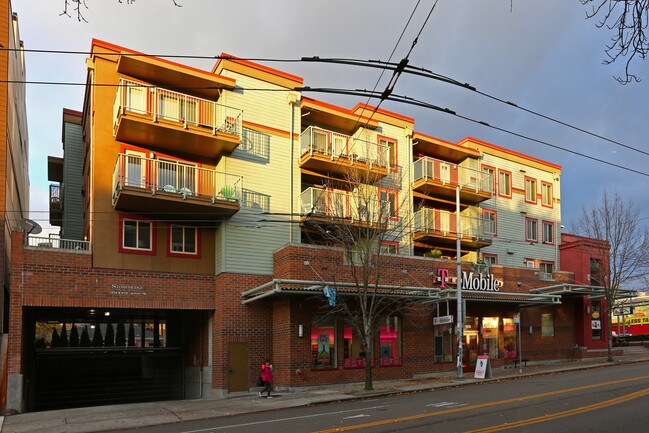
(173, 189)
(176, 122)
(340, 207)
(55, 242)
(437, 228)
(330, 153)
(56, 205)
(437, 179)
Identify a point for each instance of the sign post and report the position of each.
(517, 321)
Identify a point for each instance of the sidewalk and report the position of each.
(101, 418)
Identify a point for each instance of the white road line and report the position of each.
(446, 404)
(356, 416)
(282, 419)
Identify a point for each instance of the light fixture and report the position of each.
(107, 313)
(300, 331)
(530, 330)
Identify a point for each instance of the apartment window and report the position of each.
(388, 200)
(595, 270)
(391, 146)
(490, 259)
(529, 263)
(389, 247)
(489, 179)
(390, 341)
(546, 194)
(489, 222)
(136, 95)
(136, 236)
(531, 230)
(530, 190)
(183, 240)
(547, 325)
(323, 342)
(504, 183)
(548, 232)
(546, 271)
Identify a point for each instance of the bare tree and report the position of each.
(617, 222)
(78, 7)
(628, 20)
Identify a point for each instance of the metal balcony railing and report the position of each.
(158, 103)
(452, 174)
(56, 243)
(436, 220)
(158, 175)
(341, 204)
(334, 145)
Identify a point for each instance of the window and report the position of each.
(323, 342)
(490, 259)
(444, 172)
(388, 200)
(136, 236)
(547, 325)
(135, 168)
(595, 269)
(548, 232)
(546, 194)
(390, 341)
(504, 183)
(136, 97)
(489, 179)
(391, 146)
(489, 222)
(546, 270)
(529, 263)
(531, 230)
(530, 190)
(183, 241)
(352, 350)
(389, 247)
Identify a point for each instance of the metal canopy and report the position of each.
(309, 287)
(503, 297)
(592, 292)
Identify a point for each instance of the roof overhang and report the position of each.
(592, 292)
(278, 287)
(500, 297)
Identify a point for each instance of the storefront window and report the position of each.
(547, 325)
(471, 340)
(353, 349)
(490, 336)
(323, 342)
(444, 343)
(390, 341)
(509, 338)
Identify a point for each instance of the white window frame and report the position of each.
(138, 223)
(548, 230)
(531, 228)
(183, 241)
(530, 190)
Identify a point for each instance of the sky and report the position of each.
(544, 56)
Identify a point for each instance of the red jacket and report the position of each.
(267, 375)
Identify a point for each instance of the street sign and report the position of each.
(517, 318)
(623, 311)
(442, 320)
(482, 368)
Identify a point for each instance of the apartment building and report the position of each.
(14, 169)
(217, 209)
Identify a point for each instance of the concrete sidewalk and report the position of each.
(102, 418)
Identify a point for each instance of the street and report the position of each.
(602, 399)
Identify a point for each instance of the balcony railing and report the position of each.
(56, 243)
(173, 177)
(446, 173)
(434, 220)
(158, 103)
(341, 204)
(334, 145)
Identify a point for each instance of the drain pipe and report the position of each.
(292, 100)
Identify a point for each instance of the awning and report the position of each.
(593, 292)
(277, 287)
(502, 297)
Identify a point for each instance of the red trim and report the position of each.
(493, 177)
(120, 236)
(510, 184)
(551, 205)
(394, 169)
(528, 239)
(196, 255)
(509, 151)
(535, 190)
(230, 57)
(543, 223)
(117, 48)
(495, 214)
(395, 243)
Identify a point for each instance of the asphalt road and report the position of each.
(613, 399)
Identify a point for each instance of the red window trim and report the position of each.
(170, 253)
(493, 179)
(536, 192)
(500, 194)
(396, 202)
(394, 169)
(492, 211)
(120, 236)
(551, 205)
(543, 223)
(527, 239)
(395, 243)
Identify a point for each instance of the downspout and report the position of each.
(292, 99)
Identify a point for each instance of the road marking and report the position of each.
(558, 415)
(315, 415)
(446, 404)
(362, 415)
(479, 406)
